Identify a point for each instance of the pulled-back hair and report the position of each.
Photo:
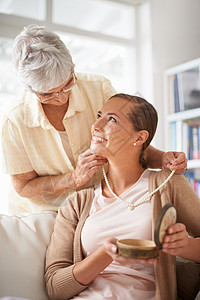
(143, 117)
(41, 59)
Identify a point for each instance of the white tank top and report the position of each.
(110, 218)
(66, 146)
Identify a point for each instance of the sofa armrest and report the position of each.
(23, 241)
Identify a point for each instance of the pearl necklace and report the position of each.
(132, 206)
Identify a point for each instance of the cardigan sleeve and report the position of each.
(179, 192)
(187, 203)
(60, 255)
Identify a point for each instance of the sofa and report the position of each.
(23, 243)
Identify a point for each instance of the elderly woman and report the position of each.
(81, 260)
(48, 126)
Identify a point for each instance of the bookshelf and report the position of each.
(182, 115)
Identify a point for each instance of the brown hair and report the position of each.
(143, 117)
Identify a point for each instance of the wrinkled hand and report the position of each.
(111, 248)
(174, 161)
(175, 240)
(88, 164)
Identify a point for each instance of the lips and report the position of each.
(98, 139)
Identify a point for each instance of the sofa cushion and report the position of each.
(23, 243)
(188, 279)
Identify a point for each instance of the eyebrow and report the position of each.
(109, 114)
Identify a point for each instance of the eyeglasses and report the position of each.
(66, 88)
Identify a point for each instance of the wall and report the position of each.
(175, 40)
(144, 51)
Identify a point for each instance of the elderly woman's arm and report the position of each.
(41, 188)
(157, 159)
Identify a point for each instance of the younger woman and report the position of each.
(81, 260)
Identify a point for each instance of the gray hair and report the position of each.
(41, 60)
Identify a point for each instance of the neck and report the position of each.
(121, 176)
(55, 115)
(58, 108)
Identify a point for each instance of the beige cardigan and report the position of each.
(65, 248)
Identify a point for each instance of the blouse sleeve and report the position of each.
(15, 158)
(59, 278)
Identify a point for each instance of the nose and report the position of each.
(98, 124)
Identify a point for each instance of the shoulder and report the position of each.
(158, 177)
(91, 77)
(15, 109)
(97, 85)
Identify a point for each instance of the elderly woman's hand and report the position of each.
(110, 246)
(176, 239)
(174, 161)
(88, 164)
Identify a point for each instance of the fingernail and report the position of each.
(113, 249)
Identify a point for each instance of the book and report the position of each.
(173, 133)
(189, 175)
(180, 92)
(179, 146)
(188, 89)
(194, 142)
(171, 107)
(176, 95)
(198, 188)
(186, 139)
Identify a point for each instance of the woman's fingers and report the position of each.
(88, 164)
(175, 161)
(175, 240)
(89, 156)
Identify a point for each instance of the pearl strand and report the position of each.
(132, 206)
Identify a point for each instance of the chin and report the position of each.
(96, 150)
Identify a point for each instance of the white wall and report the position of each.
(175, 40)
(144, 52)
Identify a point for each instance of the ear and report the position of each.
(141, 137)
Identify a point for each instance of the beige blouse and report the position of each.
(30, 142)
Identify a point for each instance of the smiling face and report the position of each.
(113, 132)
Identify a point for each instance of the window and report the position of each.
(24, 8)
(107, 17)
(102, 57)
